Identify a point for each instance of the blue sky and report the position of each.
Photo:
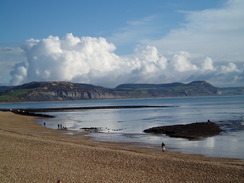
(25, 19)
(210, 28)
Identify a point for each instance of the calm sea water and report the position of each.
(127, 125)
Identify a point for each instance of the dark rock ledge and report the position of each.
(193, 131)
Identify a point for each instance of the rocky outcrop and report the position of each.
(191, 131)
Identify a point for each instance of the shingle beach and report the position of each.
(33, 153)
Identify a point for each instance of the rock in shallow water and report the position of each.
(191, 131)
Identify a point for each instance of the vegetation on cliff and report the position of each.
(61, 91)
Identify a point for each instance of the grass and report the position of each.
(11, 94)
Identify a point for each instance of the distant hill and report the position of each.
(147, 86)
(2, 88)
(195, 88)
(232, 91)
(61, 91)
(54, 91)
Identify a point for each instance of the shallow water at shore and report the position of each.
(126, 125)
(30, 152)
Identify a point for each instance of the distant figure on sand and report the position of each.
(44, 124)
(58, 126)
(163, 147)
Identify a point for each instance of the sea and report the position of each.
(127, 124)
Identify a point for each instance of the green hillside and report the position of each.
(63, 91)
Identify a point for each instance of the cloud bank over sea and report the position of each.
(93, 60)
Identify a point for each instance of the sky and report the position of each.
(110, 42)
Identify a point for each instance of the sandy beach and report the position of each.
(33, 153)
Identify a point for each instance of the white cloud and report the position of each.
(231, 67)
(218, 33)
(207, 65)
(181, 63)
(92, 60)
(19, 73)
(9, 56)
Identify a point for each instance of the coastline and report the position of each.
(33, 153)
(25, 111)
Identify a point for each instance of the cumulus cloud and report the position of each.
(92, 60)
(207, 65)
(218, 33)
(19, 73)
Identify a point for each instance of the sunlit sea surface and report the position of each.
(127, 125)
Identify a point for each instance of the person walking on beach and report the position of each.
(163, 147)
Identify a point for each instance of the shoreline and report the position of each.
(46, 101)
(191, 132)
(61, 109)
(33, 153)
(195, 131)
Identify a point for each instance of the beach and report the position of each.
(34, 153)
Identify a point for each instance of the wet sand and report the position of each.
(32, 153)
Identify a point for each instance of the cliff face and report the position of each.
(57, 91)
(196, 88)
(66, 95)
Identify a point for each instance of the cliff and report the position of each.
(196, 88)
(61, 91)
